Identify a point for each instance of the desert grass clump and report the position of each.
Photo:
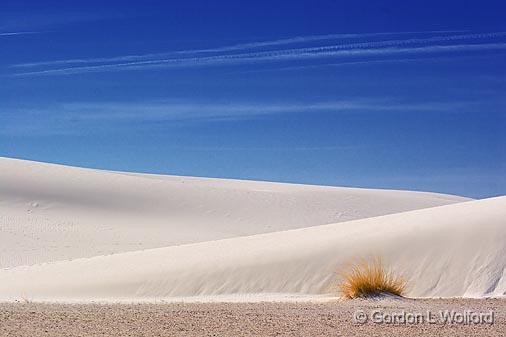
(367, 277)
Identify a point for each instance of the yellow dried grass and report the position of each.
(367, 277)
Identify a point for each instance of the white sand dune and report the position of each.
(451, 247)
(446, 251)
(52, 212)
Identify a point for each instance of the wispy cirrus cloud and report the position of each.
(18, 33)
(224, 56)
(236, 47)
(255, 58)
(313, 38)
(72, 118)
(156, 111)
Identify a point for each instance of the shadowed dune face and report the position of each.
(447, 251)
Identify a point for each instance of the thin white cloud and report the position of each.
(313, 38)
(256, 58)
(388, 48)
(97, 117)
(236, 47)
(180, 111)
(156, 111)
(16, 33)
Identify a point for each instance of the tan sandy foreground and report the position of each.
(250, 319)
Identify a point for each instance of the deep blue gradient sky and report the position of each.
(382, 94)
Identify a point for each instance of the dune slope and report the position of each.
(445, 251)
(52, 212)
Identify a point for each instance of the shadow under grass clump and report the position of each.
(368, 278)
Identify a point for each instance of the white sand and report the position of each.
(67, 220)
(53, 212)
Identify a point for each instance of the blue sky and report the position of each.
(381, 94)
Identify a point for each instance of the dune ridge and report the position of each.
(53, 212)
